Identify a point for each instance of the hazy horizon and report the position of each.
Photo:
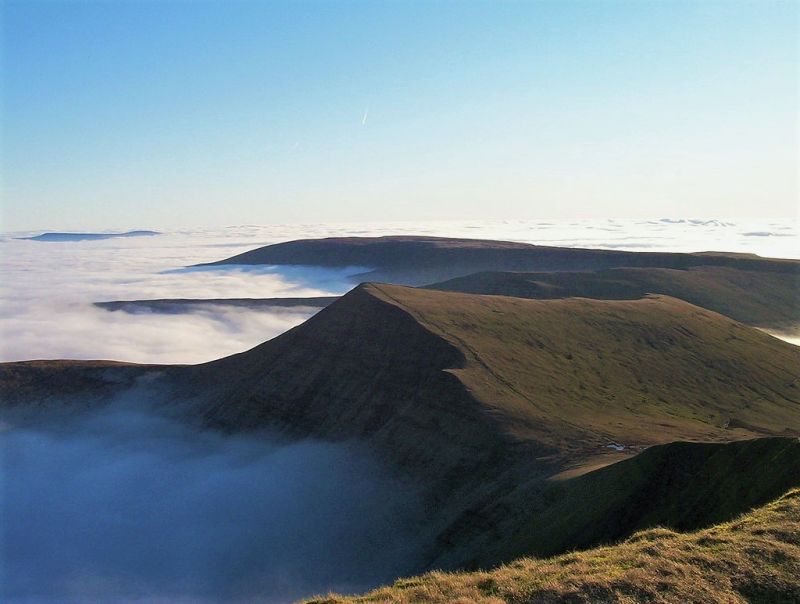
(789, 220)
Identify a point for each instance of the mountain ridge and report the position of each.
(512, 360)
(66, 236)
(655, 324)
(419, 260)
(474, 396)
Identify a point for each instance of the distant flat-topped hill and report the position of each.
(88, 236)
(185, 305)
(417, 260)
(763, 298)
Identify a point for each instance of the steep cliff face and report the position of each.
(754, 558)
(681, 485)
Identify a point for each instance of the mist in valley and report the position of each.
(123, 504)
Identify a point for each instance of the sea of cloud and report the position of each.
(48, 287)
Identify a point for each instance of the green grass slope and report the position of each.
(753, 559)
(764, 299)
(576, 374)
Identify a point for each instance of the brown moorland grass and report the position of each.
(753, 559)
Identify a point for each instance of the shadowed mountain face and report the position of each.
(761, 298)
(478, 399)
(362, 368)
(414, 260)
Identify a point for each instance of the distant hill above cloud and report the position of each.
(186, 305)
(420, 260)
(88, 236)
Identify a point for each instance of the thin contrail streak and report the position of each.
(364, 119)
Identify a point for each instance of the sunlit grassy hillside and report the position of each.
(578, 373)
(766, 299)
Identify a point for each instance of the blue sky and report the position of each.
(150, 114)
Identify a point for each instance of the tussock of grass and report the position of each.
(755, 559)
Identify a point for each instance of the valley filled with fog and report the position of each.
(123, 500)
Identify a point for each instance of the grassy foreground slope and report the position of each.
(752, 559)
(418, 260)
(764, 299)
